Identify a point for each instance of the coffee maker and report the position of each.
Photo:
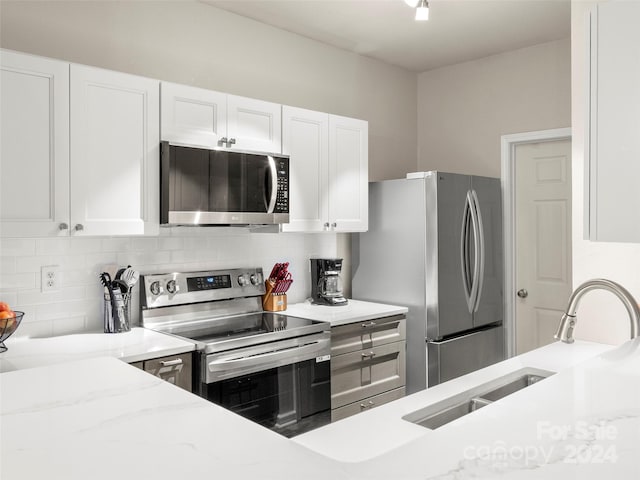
(326, 285)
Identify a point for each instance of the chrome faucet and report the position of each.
(568, 320)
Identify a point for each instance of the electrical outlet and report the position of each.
(50, 276)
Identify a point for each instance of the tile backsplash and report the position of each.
(76, 305)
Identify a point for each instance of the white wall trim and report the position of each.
(507, 149)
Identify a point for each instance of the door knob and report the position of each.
(522, 293)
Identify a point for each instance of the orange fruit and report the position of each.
(4, 307)
(7, 314)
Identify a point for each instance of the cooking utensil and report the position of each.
(130, 277)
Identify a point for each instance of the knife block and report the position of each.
(274, 302)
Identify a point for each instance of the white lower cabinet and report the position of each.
(367, 365)
(329, 171)
(115, 142)
(34, 142)
(80, 150)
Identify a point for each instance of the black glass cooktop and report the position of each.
(238, 331)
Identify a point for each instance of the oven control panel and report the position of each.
(178, 288)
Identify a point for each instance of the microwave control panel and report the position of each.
(282, 197)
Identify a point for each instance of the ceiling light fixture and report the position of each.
(412, 3)
(422, 10)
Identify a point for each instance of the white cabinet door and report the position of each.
(254, 124)
(305, 138)
(348, 174)
(614, 147)
(34, 139)
(192, 116)
(114, 153)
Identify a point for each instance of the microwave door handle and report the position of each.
(273, 176)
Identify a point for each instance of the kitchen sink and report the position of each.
(452, 408)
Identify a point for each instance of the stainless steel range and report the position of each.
(265, 366)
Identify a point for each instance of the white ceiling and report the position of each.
(457, 31)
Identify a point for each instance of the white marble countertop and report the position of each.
(103, 419)
(133, 346)
(354, 311)
(360, 436)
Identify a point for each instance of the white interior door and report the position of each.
(543, 240)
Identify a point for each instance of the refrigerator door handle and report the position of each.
(480, 250)
(465, 231)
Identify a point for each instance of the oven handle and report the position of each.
(224, 367)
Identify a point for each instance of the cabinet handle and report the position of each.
(63, 226)
(368, 355)
(79, 227)
(232, 141)
(326, 225)
(334, 224)
(367, 405)
(222, 140)
(369, 325)
(171, 363)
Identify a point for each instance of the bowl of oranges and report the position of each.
(9, 321)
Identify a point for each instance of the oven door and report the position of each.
(201, 186)
(284, 386)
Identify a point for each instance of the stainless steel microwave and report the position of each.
(200, 186)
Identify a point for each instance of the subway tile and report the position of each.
(68, 325)
(170, 243)
(8, 264)
(36, 297)
(11, 298)
(17, 246)
(116, 244)
(33, 329)
(144, 244)
(12, 281)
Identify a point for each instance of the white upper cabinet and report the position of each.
(193, 116)
(254, 124)
(114, 153)
(613, 168)
(329, 171)
(199, 117)
(348, 174)
(305, 138)
(34, 140)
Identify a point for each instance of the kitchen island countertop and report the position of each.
(100, 418)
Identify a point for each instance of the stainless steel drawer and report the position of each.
(367, 404)
(370, 333)
(358, 375)
(176, 369)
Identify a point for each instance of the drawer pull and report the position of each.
(369, 404)
(171, 363)
(368, 355)
(369, 325)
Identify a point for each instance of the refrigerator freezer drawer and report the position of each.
(457, 356)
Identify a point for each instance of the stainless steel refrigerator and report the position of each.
(434, 245)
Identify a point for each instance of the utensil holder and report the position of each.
(118, 321)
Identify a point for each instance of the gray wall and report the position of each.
(464, 109)
(197, 44)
